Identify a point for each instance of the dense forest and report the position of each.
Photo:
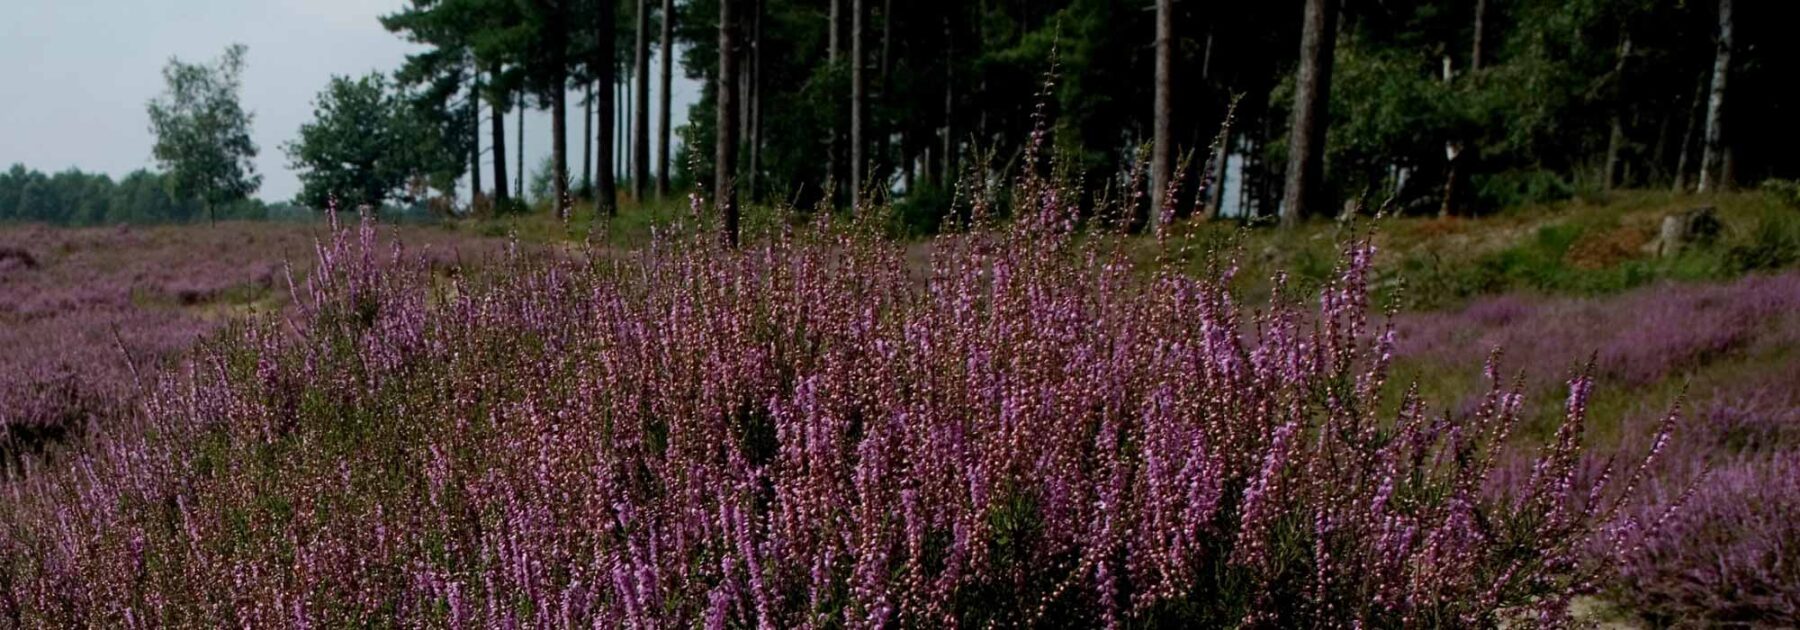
(72, 197)
(1298, 108)
(1436, 106)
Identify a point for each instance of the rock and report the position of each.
(1699, 226)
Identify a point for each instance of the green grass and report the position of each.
(1591, 245)
(1577, 247)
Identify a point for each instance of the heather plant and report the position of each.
(1724, 556)
(805, 432)
(1727, 556)
(1637, 339)
(78, 308)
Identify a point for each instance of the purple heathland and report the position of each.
(1638, 338)
(800, 434)
(79, 306)
(1727, 490)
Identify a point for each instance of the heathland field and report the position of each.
(1407, 422)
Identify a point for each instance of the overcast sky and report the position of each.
(76, 75)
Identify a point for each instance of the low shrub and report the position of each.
(1726, 557)
(804, 432)
(1513, 189)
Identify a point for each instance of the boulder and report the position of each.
(1688, 228)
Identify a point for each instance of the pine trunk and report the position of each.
(858, 100)
(640, 177)
(622, 124)
(559, 151)
(519, 176)
(834, 51)
(1687, 135)
(606, 194)
(1712, 172)
(627, 98)
(1616, 141)
(948, 158)
(662, 135)
(1312, 94)
(587, 139)
(497, 126)
(475, 139)
(725, 149)
(881, 169)
(1475, 55)
(1162, 149)
(753, 122)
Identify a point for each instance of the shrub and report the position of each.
(1513, 189)
(1787, 190)
(802, 432)
(1639, 338)
(88, 303)
(1773, 244)
(922, 211)
(1723, 557)
(1726, 557)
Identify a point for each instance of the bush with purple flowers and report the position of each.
(1713, 540)
(805, 433)
(83, 312)
(1727, 556)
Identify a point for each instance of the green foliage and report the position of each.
(1591, 252)
(202, 133)
(366, 145)
(1787, 190)
(921, 211)
(1773, 244)
(1512, 189)
(539, 185)
(75, 198)
(1387, 111)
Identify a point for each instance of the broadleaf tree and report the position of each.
(367, 144)
(203, 132)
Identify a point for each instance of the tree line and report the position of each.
(1285, 109)
(72, 197)
(1448, 106)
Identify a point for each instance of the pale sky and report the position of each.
(77, 74)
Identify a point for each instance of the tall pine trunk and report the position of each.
(725, 147)
(947, 160)
(1453, 153)
(640, 175)
(858, 100)
(519, 176)
(662, 135)
(753, 102)
(1615, 142)
(1712, 171)
(622, 147)
(881, 169)
(587, 139)
(559, 151)
(1475, 56)
(833, 52)
(497, 126)
(627, 98)
(606, 193)
(1162, 149)
(475, 138)
(1312, 95)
